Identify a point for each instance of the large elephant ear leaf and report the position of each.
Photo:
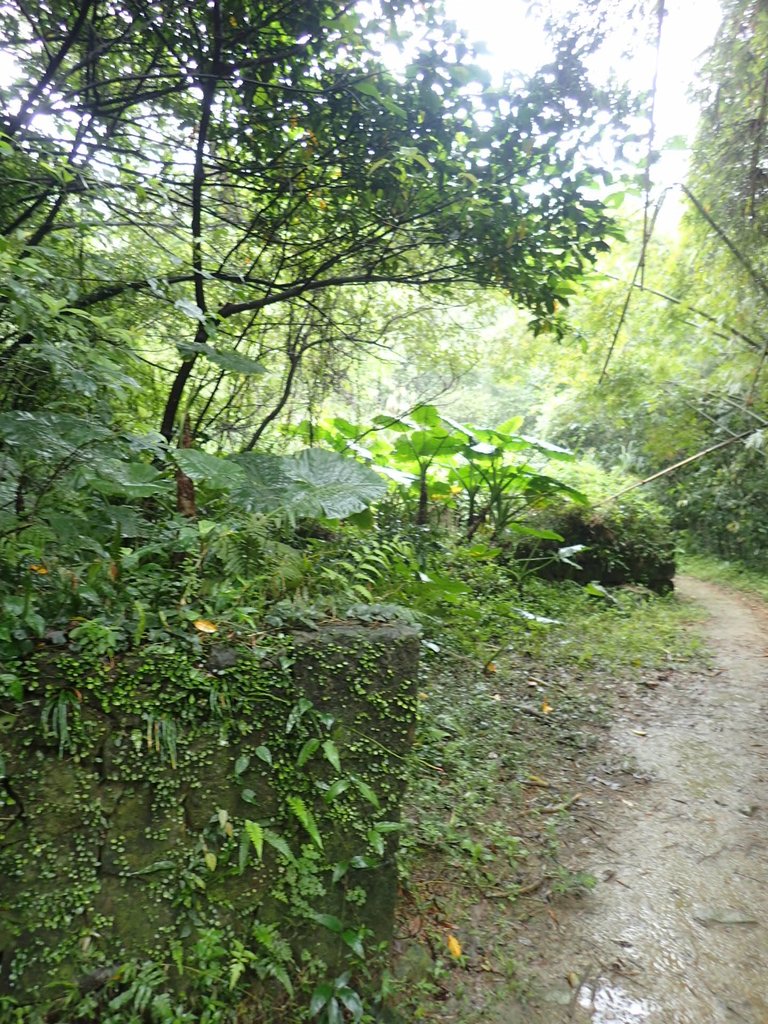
(313, 482)
(333, 485)
(267, 487)
(128, 479)
(219, 474)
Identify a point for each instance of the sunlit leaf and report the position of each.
(305, 816)
(256, 834)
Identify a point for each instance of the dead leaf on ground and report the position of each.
(205, 626)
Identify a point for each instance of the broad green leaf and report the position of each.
(234, 362)
(190, 309)
(333, 924)
(365, 791)
(51, 436)
(426, 416)
(339, 486)
(376, 841)
(355, 943)
(348, 996)
(332, 754)
(320, 997)
(299, 709)
(533, 531)
(384, 827)
(511, 426)
(220, 474)
(314, 482)
(554, 451)
(130, 479)
(266, 486)
(595, 589)
(339, 786)
(12, 686)
(422, 445)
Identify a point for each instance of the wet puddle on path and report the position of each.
(610, 1005)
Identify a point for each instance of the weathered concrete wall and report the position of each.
(131, 843)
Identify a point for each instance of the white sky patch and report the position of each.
(515, 42)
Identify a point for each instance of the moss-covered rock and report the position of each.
(129, 789)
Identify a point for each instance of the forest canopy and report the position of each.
(195, 194)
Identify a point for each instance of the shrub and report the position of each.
(625, 540)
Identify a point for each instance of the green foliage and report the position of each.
(204, 218)
(720, 503)
(95, 553)
(623, 539)
(218, 229)
(324, 780)
(450, 473)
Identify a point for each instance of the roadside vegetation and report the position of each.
(292, 336)
(505, 755)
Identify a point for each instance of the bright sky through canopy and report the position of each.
(515, 41)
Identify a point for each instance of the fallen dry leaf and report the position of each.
(205, 626)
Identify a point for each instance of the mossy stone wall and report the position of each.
(123, 832)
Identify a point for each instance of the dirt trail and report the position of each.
(676, 931)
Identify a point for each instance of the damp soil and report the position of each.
(672, 823)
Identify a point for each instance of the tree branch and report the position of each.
(209, 87)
